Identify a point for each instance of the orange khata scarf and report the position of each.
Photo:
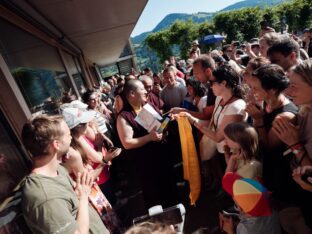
(190, 160)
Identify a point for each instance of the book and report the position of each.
(148, 118)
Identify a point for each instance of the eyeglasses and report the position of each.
(211, 82)
(255, 46)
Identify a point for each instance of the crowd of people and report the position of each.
(249, 105)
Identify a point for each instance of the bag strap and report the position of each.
(14, 194)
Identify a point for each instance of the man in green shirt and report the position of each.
(51, 201)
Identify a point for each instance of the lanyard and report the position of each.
(215, 123)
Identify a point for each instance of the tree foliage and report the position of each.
(241, 25)
(160, 43)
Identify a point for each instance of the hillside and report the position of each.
(170, 19)
(202, 16)
(252, 3)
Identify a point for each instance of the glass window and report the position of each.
(36, 67)
(75, 71)
(109, 70)
(12, 160)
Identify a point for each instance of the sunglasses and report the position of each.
(211, 82)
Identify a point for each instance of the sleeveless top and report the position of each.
(146, 154)
(277, 173)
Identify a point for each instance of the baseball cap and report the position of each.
(250, 195)
(76, 116)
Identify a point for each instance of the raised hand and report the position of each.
(254, 111)
(297, 176)
(286, 131)
(112, 154)
(83, 185)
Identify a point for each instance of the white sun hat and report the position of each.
(74, 104)
(75, 116)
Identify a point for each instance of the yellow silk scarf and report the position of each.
(190, 160)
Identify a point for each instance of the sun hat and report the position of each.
(76, 116)
(195, 42)
(250, 195)
(254, 42)
(74, 104)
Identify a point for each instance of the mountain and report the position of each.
(170, 19)
(202, 16)
(252, 3)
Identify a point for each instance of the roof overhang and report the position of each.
(100, 28)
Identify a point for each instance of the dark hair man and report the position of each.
(203, 67)
(284, 53)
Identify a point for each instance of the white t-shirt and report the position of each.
(202, 104)
(234, 108)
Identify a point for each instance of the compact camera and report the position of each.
(171, 216)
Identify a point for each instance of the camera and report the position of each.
(174, 215)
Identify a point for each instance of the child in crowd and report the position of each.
(241, 149)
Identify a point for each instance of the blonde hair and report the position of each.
(151, 228)
(304, 70)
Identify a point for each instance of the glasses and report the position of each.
(228, 51)
(255, 46)
(211, 82)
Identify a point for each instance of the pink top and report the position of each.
(104, 175)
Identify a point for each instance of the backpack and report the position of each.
(11, 216)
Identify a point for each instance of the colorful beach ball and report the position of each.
(250, 195)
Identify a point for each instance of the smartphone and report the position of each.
(170, 216)
(163, 125)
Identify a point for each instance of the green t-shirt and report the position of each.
(50, 205)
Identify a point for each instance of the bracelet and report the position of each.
(295, 149)
(296, 145)
(104, 161)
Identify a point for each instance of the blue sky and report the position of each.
(156, 10)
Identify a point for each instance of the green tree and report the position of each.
(240, 24)
(160, 43)
(182, 34)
